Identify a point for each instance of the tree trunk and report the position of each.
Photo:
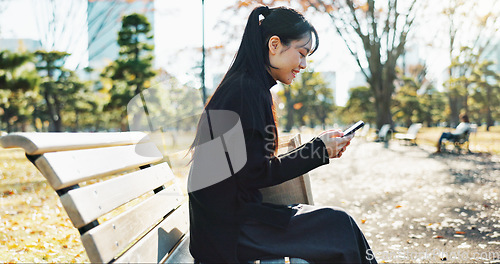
(466, 98)
(408, 121)
(383, 107)
(489, 119)
(77, 126)
(289, 108)
(52, 106)
(24, 126)
(7, 122)
(57, 117)
(97, 124)
(124, 123)
(383, 92)
(454, 109)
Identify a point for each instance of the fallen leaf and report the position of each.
(460, 232)
(7, 193)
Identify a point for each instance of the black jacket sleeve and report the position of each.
(264, 170)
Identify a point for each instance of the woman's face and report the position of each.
(287, 60)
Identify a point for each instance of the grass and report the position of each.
(34, 226)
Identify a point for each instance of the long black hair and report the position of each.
(253, 53)
(252, 57)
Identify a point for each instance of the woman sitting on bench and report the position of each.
(228, 221)
(461, 129)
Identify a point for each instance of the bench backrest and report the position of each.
(382, 134)
(137, 214)
(121, 195)
(413, 129)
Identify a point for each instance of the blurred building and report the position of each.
(104, 23)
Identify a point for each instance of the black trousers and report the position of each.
(447, 135)
(317, 234)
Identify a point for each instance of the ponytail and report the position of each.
(250, 53)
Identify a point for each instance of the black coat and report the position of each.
(216, 212)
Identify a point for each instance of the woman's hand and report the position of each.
(335, 143)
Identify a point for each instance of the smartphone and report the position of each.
(353, 128)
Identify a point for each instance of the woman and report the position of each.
(228, 221)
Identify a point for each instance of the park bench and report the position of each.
(122, 196)
(461, 142)
(411, 135)
(384, 133)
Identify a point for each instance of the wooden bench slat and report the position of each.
(86, 204)
(66, 168)
(107, 240)
(35, 143)
(159, 242)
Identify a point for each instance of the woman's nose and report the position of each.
(303, 63)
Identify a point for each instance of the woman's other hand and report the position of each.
(335, 143)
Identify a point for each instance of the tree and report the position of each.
(457, 85)
(308, 100)
(375, 34)
(432, 106)
(360, 106)
(18, 87)
(471, 30)
(80, 104)
(173, 108)
(132, 71)
(416, 99)
(406, 105)
(288, 99)
(50, 67)
(486, 93)
(323, 105)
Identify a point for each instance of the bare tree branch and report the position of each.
(394, 25)
(350, 44)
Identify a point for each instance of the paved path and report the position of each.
(414, 206)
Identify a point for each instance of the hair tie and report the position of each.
(266, 11)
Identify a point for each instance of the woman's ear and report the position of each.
(273, 44)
